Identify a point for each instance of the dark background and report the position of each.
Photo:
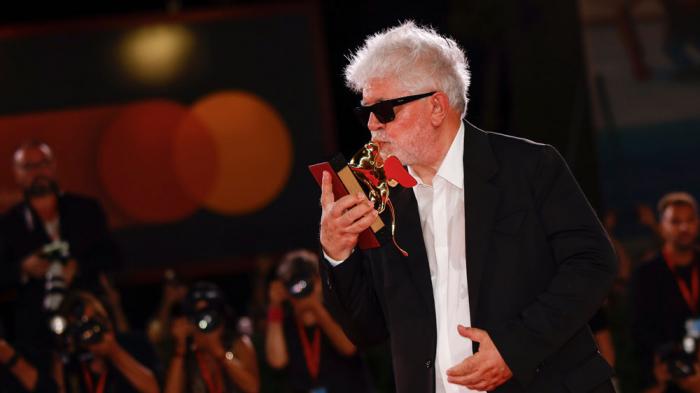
(528, 76)
(528, 79)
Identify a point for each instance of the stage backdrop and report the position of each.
(194, 131)
(644, 66)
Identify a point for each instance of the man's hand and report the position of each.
(35, 266)
(106, 346)
(485, 370)
(180, 329)
(661, 373)
(343, 220)
(277, 293)
(691, 383)
(173, 293)
(6, 351)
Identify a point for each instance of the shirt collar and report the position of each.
(452, 166)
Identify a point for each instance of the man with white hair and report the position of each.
(506, 259)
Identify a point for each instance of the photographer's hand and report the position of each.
(691, 383)
(22, 370)
(180, 330)
(139, 376)
(35, 266)
(211, 343)
(661, 375)
(173, 293)
(277, 293)
(105, 346)
(308, 303)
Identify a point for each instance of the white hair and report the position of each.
(417, 57)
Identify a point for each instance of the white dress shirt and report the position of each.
(442, 216)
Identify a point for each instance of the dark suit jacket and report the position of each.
(539, 265)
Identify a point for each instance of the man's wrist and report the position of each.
(335, 262)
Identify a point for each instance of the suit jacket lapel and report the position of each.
(409, 235)
(481, 199)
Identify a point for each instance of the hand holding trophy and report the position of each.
(369, 174)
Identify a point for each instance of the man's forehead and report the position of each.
(679, 209)
(379, 89)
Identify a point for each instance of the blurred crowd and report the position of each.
(67, 330)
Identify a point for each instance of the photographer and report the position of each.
(210, 354)
(665, 300)
(307, 341)
(94, 358)
(158, 329)
(52, 241)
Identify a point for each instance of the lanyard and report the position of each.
(312, 352)
(690, 295)
(208, 378)
(88, 380)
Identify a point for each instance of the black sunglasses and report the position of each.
(384, 110)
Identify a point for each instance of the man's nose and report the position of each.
(373, 124)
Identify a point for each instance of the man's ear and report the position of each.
(440, 105)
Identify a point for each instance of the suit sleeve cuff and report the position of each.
(332, 261)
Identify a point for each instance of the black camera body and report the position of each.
(298, 277)
(75, 331)
(209, 317)
(678, 358)
(58, 253)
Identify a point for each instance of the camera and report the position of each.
(205, 306)
(298, 276)
(75, 329)
(678, 361)
(680, 358)
(58, 253)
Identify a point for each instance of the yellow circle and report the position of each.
(254, 151)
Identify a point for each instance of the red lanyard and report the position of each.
(88, 380)
(690, 295)
(312, 352)
(212, 387)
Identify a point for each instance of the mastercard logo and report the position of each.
(160, 161)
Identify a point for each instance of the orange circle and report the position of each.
(195, 159)
(136, 162)
(254, 151)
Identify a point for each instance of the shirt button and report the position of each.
(428, 363)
